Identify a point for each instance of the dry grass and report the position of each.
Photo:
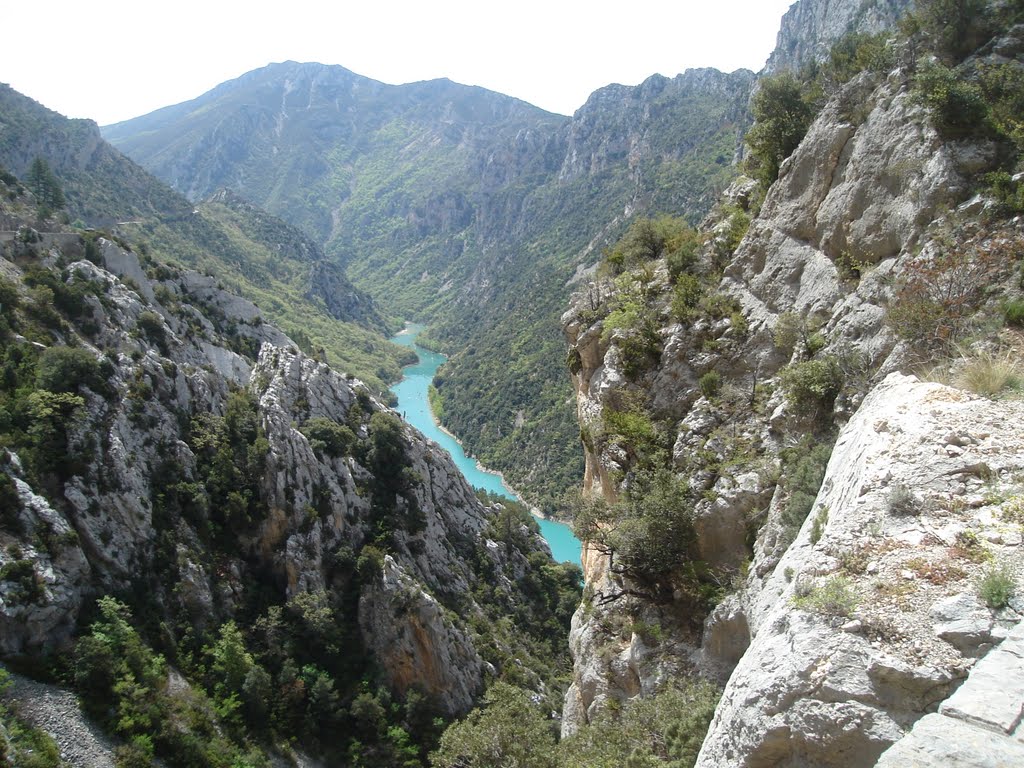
(991, 373)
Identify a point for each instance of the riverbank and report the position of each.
(414, 405)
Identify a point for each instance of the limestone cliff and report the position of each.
(810, 27)
(836, 632)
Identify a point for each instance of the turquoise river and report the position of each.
(414, 405)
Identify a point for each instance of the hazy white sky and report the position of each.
(110, 60)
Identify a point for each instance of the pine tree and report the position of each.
(45, 185)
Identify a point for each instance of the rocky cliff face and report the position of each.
(871, 618)
(145, 497)
(833, 640)
(810, 27)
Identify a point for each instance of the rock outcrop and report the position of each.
(861, 623)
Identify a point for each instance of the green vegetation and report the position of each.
(803, 467)
(902, 502)
(650, 532)
(124, 685)
(782, 116)
(812, 385)
(833, 597)
(996, 586)
(232, 453)
(45, 186)
(666, 729)
(818, 525)
(329, 437)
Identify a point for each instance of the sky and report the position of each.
(110, 60)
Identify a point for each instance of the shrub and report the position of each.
(781, 118)
(332, 438)
(710, 384)
(857, 52)
(28, 585)
(835, 597)
(1013, 312)
(958, 107)
(936, 300)
(370, 564)
(151, 325)
(818, 526)
(65, 369)
(813, 385)
(1008, 192)
(902, 501)
(996, 587)
(686, 297)
(682, 250)
(667, 729)
(804, 467)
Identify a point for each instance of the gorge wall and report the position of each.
(839, 630)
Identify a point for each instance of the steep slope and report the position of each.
(298, 553)
(254, 253)
(463, 208)
(710, 394)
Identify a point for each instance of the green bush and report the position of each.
(782, 116)
(835, 597)
(902, 502)
(151, 324)
(507, 730)
(666, 729)
(958, 106)
(996, 587)
(804, 468)
(857, 52)
(710, 384)
(818, 526)
(686, 297)
(812, 385)
(28, 584)
(66, 369)
(1013, 312)
(332, 438)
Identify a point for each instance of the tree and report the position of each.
(509, 730)
(782, 117)
(45, 186)
(955, 28)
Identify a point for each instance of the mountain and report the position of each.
(464, 208)
(233, 553)
(255, 253)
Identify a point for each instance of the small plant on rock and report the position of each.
(996, 587)
(902, 502)
(834, 597)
